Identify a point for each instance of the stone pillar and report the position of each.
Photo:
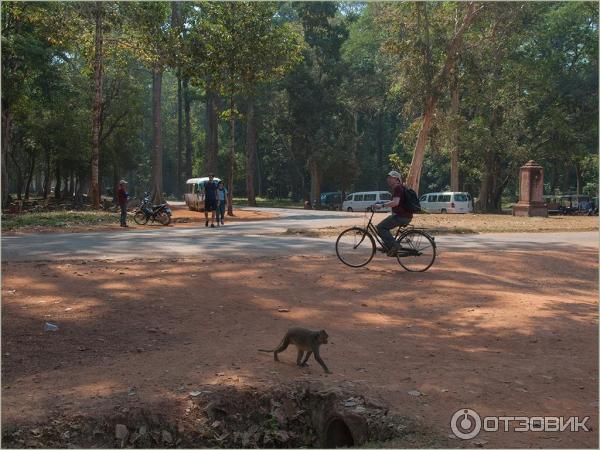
(531, 202)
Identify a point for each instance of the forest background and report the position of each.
(290, 99)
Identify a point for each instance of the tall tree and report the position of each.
(316, 112)
(251, 150)
(95, 186)
(428, 46)
(154, 40)
(239, 46)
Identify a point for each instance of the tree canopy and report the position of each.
(318, 96)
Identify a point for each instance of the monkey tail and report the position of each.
(266, 351)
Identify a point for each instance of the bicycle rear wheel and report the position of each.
(355, 247)
(417, 251)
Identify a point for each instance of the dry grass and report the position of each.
(477, 223)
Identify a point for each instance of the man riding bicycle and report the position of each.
(401, 215)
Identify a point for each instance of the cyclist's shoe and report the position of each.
(394, 250)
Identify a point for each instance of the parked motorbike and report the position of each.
(149, 212)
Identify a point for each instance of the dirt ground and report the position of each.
(513, 334)
(182, 213)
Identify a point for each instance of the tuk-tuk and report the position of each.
(568, 204)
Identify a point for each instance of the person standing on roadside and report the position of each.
(122, 198)
(221, 203)
(210, 199)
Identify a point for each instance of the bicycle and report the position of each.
(356, 247)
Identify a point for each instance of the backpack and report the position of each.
(411, 200)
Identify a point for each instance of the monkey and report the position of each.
(306, 341)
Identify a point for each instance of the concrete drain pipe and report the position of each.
(344, 430)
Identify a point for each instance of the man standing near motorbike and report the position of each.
(122, 197)
(210, 199)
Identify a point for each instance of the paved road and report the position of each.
(247, 239)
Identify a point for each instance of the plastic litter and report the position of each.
(50, 327)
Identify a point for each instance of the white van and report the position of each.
(194, 192)
(361, 201)
(447, 202)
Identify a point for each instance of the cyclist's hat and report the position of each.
(395, 174)
(122, 182)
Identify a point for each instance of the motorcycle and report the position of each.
(147, 211)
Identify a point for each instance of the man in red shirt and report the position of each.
(401, 215)
(122, 197)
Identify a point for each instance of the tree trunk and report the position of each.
(578, 178)
(19, 174)
(231, 164)
(454, 152)
(211, 148)
(30, 176)
(554, 183)
(38, 182)
(414, 175)
(6, 127)
(96, 113)
(81, 188)
(57, 187)
(259, 175)
(115, 182)
(65, 192)
(251, 142)
(380, 169)
(180, 135)
(176, 25)
(157, 154)
(188, 129)
(315, 181)
(490, 192)
(47, 176)
(72, 184)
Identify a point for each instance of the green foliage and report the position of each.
(236, 46)
(339, 87)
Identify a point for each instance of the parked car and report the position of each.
(447, 202)
(362, 201)
(331, 200)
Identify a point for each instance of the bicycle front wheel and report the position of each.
(355, 247)
(417, 251)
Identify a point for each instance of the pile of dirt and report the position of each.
(297, 415)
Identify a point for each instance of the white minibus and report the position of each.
(447, 202)
(194, 192)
